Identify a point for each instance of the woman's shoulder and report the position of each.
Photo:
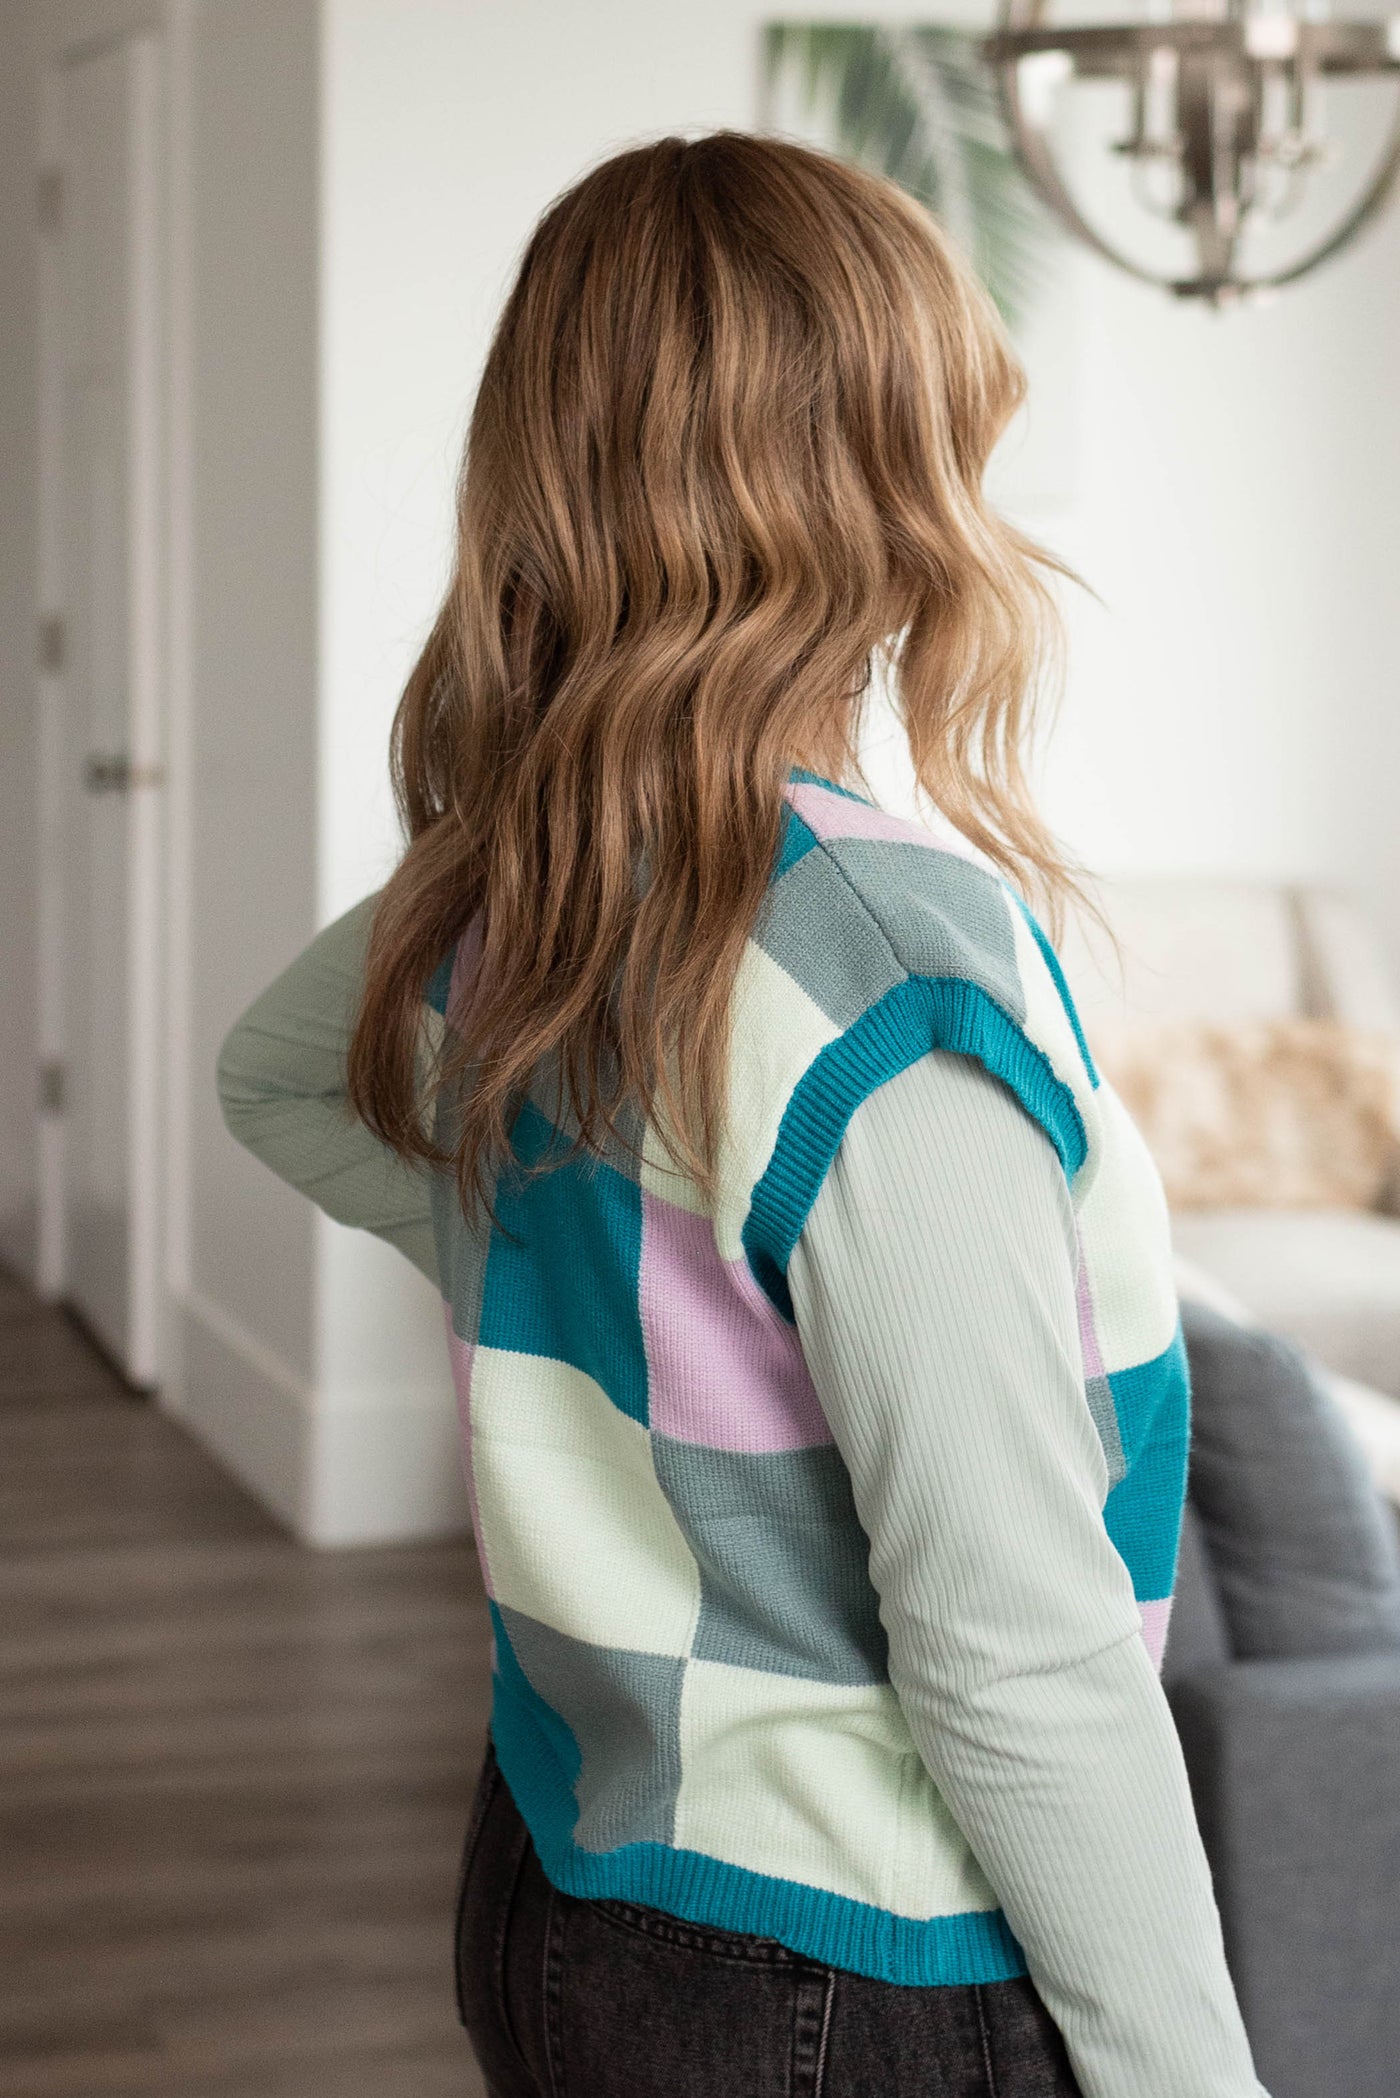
(879, 942)
(863, 902)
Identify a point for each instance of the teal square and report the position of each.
(564, 1263)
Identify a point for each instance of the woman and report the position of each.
(807, 1295)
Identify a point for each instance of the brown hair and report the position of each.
(728, 448)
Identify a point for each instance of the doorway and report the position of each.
(101, 652)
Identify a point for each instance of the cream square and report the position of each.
(935, 1872)
(1126, 1236)
(812, 1782)
(776, 1032)
(574, 1525)
(1121, 1209)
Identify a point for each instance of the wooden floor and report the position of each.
(233, 1773)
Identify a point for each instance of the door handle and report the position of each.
(112, 772)
(106, 772)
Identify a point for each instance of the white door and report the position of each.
(107, 385)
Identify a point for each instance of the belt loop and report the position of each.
(811, 2029)
(986, 2040)
(552, 1992)
(827, 2001)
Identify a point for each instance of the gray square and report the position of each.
(623, 1709)
(941, 915)
(784, 1563)
(815, 926)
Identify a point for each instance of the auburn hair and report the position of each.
(726, 457)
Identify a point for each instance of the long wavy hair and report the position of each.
(726, 456)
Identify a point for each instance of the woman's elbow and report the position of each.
(243, 1081)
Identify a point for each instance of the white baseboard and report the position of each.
(250, 1411)
(385, 1472)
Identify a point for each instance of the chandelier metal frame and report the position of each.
(1215, 75)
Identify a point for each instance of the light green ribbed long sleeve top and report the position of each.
(933, 1287)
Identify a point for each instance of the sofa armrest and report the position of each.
(1295, 1768)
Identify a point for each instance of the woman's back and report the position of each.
(684, 1614)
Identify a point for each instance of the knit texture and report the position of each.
(692, 1698)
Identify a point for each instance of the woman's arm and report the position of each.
(934, 1289)
(282, 1088)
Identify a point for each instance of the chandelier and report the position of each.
(1222, 117)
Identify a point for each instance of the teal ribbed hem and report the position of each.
(918, 1015)
(976, 1946)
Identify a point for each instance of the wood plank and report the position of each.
(234, 1773)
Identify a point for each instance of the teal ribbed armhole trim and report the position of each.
(1052, 963)
(918, 1015)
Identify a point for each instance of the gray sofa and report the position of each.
(1283, 1673)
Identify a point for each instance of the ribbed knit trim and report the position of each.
(974, 1946)
(1052, 963)
(918, 1015)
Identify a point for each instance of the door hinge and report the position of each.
(52, 643)
(49, 200)
(53, 1087)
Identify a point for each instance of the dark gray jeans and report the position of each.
(605, 1999)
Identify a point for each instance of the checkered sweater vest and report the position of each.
(683, 1616)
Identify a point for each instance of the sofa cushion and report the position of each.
(1303, 1551)
(1346, 971)
(1328, 1279)
(1374, 1418)
(1185, 949)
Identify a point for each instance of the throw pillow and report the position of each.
(1286, 1114)
(1304, 1552)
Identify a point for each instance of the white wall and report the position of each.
(1232, 705)
(18, 572)
(310, 1358)
(243, 1248)
(449, 125)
